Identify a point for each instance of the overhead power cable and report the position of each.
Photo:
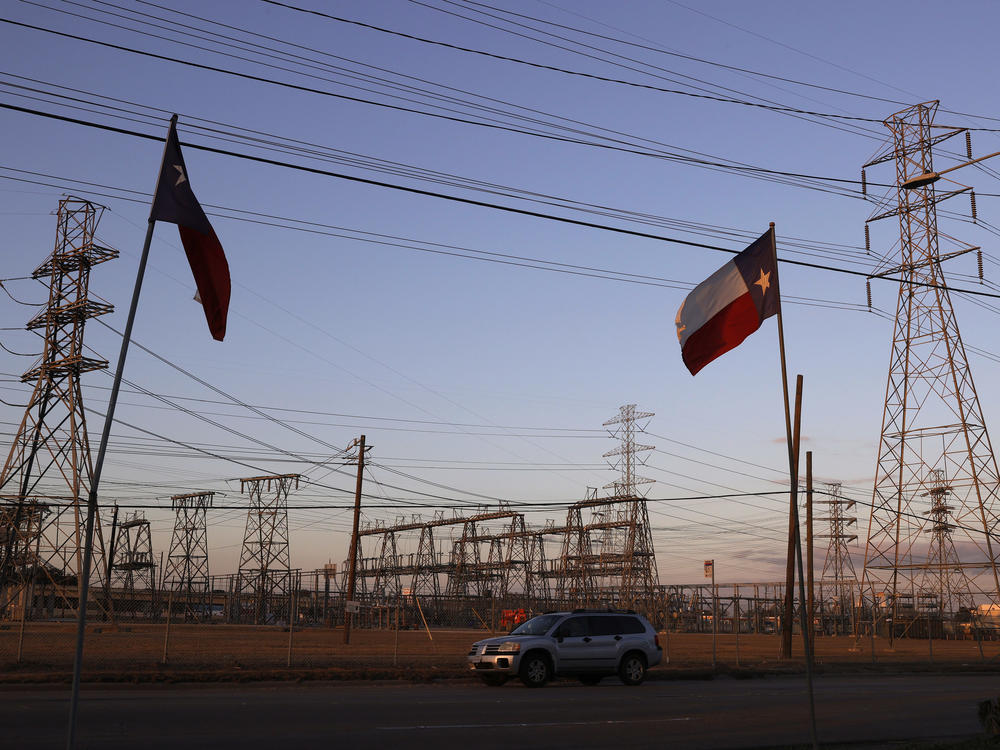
(470, 201)
(692, 58)
(269, 52)
(581, 74)
(612, 144)
(592, 52)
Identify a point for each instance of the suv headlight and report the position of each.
(509, 647)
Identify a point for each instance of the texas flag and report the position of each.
(729, 305)
(175, 203)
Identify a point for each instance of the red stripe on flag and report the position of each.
(724, 331)
(211, 274)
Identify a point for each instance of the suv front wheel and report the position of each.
(535, 670)
(632, 670)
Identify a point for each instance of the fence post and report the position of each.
(873, 627)
(24, 614)
(395, 645)
(930, 641)
(291, 623)
(736, 625)
(979, 637)
(166, 632)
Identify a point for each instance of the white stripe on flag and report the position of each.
(708, 298)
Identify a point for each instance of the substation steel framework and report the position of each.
(131, 569)
(466, 571)
(187, 574)
(265, 581)
(934, 435)
(46, 478)
(605, 558)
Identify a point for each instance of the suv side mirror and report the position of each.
(559, 634)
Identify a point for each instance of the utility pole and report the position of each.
(359, 443)
(809, 541)
(710, 572)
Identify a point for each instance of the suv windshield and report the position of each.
(536, 625)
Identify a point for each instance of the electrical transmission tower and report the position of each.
(934, 441)
(264, 581)
(131, 568)
(626, 560)
(187, 562)
(838, 567)
(625, 431)
(46, 478)
(944, 585)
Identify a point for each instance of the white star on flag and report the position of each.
(763, 282)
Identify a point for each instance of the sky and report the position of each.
(480, 351)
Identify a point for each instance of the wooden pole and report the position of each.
(806, 626)
(348, 616)
(715, 614)
(422, 618)
(810, 594)
(736, 623)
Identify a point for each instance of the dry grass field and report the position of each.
(137, 652)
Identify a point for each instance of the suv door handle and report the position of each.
(586, 639)
(618, 637)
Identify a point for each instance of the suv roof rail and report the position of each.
(605, 611)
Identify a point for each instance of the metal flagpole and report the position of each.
(88, 544)
(787, 618)
(793, 466)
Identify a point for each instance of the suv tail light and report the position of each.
(656, 641)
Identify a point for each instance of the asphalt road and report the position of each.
(722, 713)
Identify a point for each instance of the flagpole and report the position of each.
(787, 618)
(793, 465)
(88, 545)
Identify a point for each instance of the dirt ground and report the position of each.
(140, 652)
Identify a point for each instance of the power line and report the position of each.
(612, 145)
(581, 74)
(467, 201)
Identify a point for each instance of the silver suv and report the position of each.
(586, 644)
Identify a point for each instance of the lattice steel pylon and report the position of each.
(627, 557)
(628, 450)
(46, 479)
(944, 586)
(131, 570)
(838, 566)
(187, 573)
(265, 577)
(932, 425)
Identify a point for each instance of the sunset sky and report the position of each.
(481, 350)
